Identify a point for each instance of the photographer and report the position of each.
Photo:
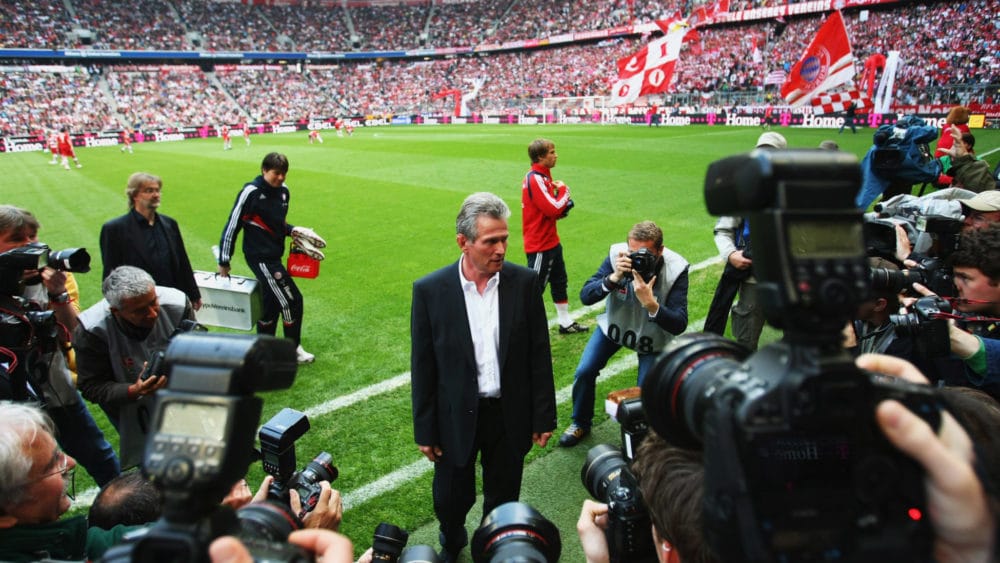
(115, 339)
(645, 309)
(56, 291)
(670, 479)
(960, 510)
(732, 239)
(35, 477)
(976, 266)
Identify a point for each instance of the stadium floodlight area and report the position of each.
(576, 109)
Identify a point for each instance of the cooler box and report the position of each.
(232, 302)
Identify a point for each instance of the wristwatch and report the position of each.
(60, 298)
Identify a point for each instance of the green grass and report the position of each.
(385, 200)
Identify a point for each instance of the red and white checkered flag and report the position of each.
(838, 101)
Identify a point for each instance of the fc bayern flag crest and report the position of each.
(826, 63)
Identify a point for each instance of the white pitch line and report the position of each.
(414, 470)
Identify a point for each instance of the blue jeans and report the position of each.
(79, 436)
(595, 356)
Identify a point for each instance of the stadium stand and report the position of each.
(726, 65)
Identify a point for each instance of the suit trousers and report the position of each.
(454, 486)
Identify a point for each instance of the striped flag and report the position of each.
(826, 63)
(649, 70)
(775, 77)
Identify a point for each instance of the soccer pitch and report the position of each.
(385, 200)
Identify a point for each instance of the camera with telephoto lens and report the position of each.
(26, 329)
(277, 450)
(202, 442)
(35, 256)
(607, 477)
(515, 531)
(796, 467)
(932, 273)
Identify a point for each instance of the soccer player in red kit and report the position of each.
(66, 149)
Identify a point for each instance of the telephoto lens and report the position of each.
(420, 554)
(388, 542)
(269, 520)
(516, 532)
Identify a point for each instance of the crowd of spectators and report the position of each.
(728, 58)
(169, 97)
(145, 24)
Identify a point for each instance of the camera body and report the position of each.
(924, 322)
(201, 443)
(932, 273)
(644, 263)
(277, 449)
(796, 467)
(157, 364)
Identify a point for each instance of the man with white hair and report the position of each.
(115, 339)
(36, 480)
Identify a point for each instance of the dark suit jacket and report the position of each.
(445, 390)
(122, 244)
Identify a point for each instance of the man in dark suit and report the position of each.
(481, 370)
(148, 240)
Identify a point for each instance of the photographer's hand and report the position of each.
(622, 266)
(326, 514)
(738, 261)
(956, 502)
(644, 293)
(330, 547)
(590, 527)
(146, 386)
(239, 496)
(964, 344)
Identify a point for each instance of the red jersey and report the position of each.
(65, 144)
(542, 204)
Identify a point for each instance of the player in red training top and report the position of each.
(66, 149)
(127, 140)
(246, 133)
(315, 136)
(227, 141)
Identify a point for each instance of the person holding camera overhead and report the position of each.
(56, 291)
(543, 202)
(115, 339)
(646, 288)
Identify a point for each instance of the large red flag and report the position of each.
(826, 63)
(649, 70)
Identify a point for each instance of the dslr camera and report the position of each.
(157, 364)
(277, 449)
(35, 256)
(608, 478)
(201, 443)
(644, 263)
(796, 467)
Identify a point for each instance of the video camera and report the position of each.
(202, 442)
(796, 468)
